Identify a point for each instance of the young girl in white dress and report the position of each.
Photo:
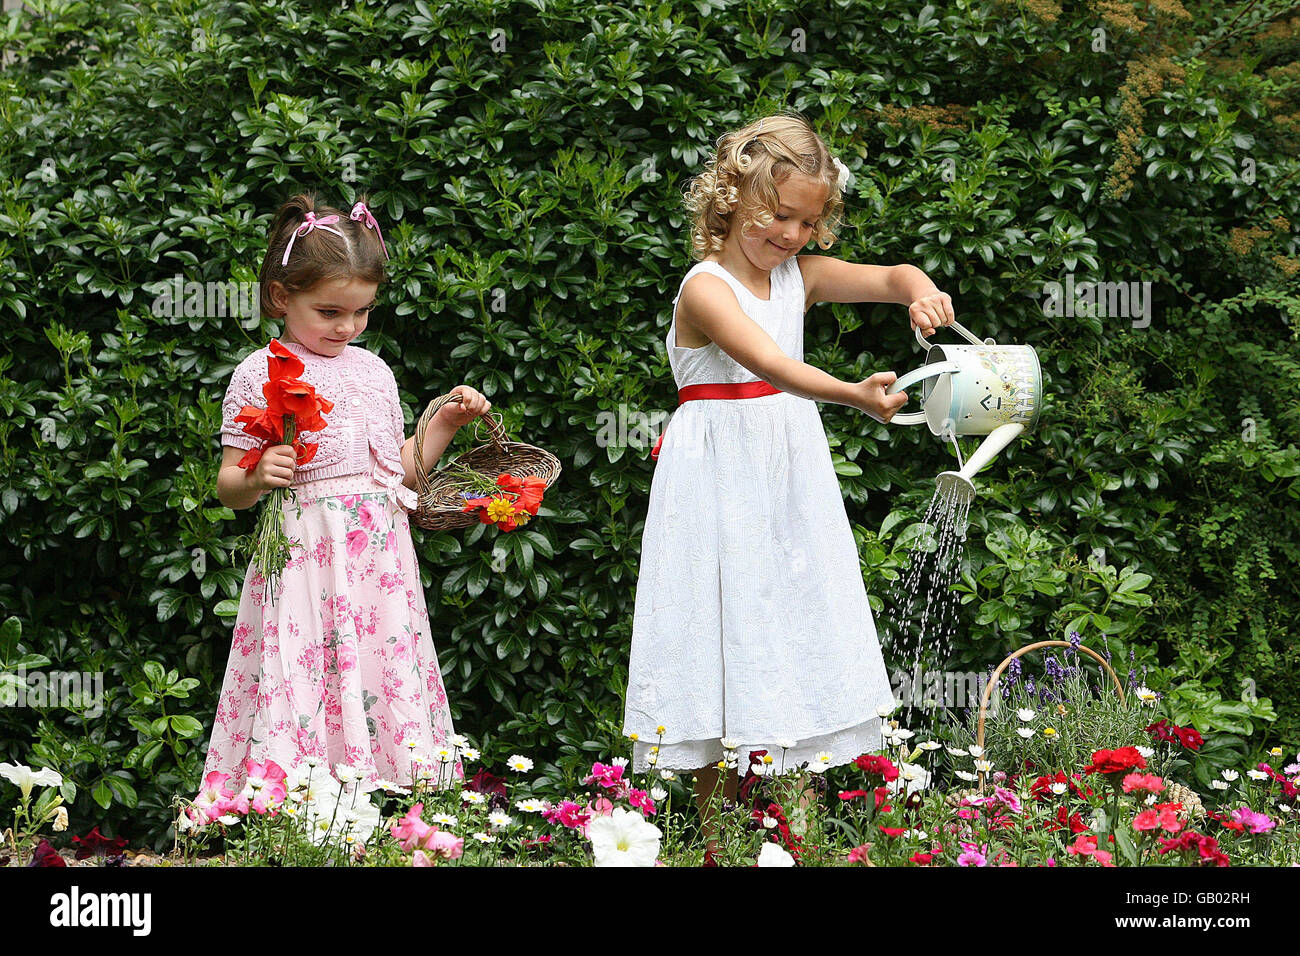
(752, 627)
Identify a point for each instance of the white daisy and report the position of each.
(1257, 775)
(975, 750)
(785, 743)
(459, 741)
(1058, 788)
(929, 745)
(1230, 775)
(730, 743)
(1220, 784)
(658, 793)
(667, 775)
(956, 751)
(485, 838)
(1146, 752)
(1025, 714)
(519, 764)
(470, 754)
(983, 765)
(530, 806)
(444, 819)
(884, 710)
(968, 777)
(498, 819)
(473, 797)
(1025, 732)
(1146, 695)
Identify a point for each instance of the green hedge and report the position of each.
(526, 161)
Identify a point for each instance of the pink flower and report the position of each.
(609, 776)
(367, 513)
(446, 845)
(1143, 783)
(419, 859)
(1255, 822)
(568, 814)
(1005, 797)
(641, 800)
(411, 832)
(214, 793)
(859, 854)
(269, 771)
(357, 541)
(973, 855)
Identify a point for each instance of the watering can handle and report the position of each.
(911, 378)
(925, 344)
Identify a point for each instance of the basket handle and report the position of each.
(988, 691)
(496, 433)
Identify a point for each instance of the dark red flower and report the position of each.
(881, 766)
(95, 843)
(1190, 737)
(46, 855)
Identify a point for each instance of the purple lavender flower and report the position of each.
(1029, 687)
(1106, 643)
(1074, 643)
(1053, 669)
(1013, 672)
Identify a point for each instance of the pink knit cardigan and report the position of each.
(367, 416)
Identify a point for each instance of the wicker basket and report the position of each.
(441, 505)
(988, 691)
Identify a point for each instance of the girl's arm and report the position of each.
(827, 279)
(442, 429)
(240, 488)
(708, 304)
(436, 439)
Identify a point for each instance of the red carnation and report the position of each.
(1119, 761)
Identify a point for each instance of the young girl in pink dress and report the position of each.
(339, 663)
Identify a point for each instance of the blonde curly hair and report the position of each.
(740, 179)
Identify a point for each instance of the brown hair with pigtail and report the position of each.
(320, 255)
(739, 180)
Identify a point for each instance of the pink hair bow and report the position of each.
(361, 213)
(310, 222)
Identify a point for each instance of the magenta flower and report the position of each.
(609, 776)
(641, 800)
(1254, 822)
(446, 845)
(1006, 798)
(973, 855)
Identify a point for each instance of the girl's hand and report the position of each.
(873, 400)
(275, 468)
(472, 404)
(931, 311)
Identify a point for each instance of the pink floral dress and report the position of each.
(341, 663)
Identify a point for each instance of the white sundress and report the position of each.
(751, 619)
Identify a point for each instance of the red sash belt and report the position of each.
(690, 393)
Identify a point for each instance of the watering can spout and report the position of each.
(958, 485)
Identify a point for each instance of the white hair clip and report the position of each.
(845, 178)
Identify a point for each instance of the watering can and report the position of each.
(977, 389)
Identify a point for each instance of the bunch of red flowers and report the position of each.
(292, 406)
(1189, 737)
(515, 504)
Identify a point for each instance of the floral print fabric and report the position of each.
(340, 664)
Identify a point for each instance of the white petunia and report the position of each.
(25, 778)
(773, 855)
(624, 838)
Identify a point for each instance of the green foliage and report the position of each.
(527, 162)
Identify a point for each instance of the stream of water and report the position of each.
(918, 640)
